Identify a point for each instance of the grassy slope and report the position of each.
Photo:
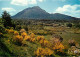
(4, 51)
(29, 49)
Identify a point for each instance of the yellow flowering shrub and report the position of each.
(23, 34)
(46, 43)
(16, 33)
(32, 39)
(40, 38)
(11, 31)
(41, 41)
(43, 52)
(18, 38)
(48, 51)
(32, 35)
(58, 46)
(27, 37)
(22, 30)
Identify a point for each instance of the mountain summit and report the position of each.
(37, 13)
(32, 13)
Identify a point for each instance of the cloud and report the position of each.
(33, 2)
(60, 0)
(41, 0)
(23, 2)
(19, 2)
(72, 10)
(10, 10)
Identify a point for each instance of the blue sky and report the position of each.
(68, 7)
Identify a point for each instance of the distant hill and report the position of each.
(37, 13)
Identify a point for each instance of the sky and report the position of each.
(67, 7)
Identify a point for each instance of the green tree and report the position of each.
(69, 25)
(1, 26)
(7, 19)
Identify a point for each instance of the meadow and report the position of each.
(40, 38)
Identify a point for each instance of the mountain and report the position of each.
(37, 13)
(61, 16)
(32, 13)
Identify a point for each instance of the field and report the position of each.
(44, 29)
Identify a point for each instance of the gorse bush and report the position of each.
(58, 47)
(22, 30)
(54, 44)
(16, 33)
(43, 52)
(40, 38)
(19, 37)
(48, 48)
(23, 34)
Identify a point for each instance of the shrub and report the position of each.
(23, 34)
(73, 51)
(18, 27)
(57, 37)
(2, 29)
(25, 27)
(32, 35)
(69, 25)
(10, 31)
(22, 30)
(58, 47)
(16, 33)
(72, 42)
(18, 39)
(32, 39)
(27, 38)
(43, 52)
(40, 38)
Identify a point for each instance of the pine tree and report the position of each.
(7, 19)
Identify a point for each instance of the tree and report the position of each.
(7, 19)
(1, 26)
(69, 25)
